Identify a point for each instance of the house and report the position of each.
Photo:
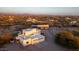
(30, 36)
(31, 20)
(73, 23)
(41, 26)
(31, 31)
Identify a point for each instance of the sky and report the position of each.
(41, 10)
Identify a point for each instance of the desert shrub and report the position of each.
(2, 42)
(67, 39)
(6, 37)
(76, 41)
(60, 38)
(76, 32)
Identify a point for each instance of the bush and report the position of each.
(76, 32)
(67, 39)
(2, 42)
(7, 37)
(77, 41)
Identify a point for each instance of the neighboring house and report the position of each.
(41, 26)
(32, 20)
(30, 37)
(73, 23)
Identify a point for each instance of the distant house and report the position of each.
(73, 23)
(30, 36)
(41, 26)
(31, 20)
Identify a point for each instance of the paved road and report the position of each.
(47, 45)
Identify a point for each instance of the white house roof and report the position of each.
(34, 35)
(30, 29)
(37, 36)
(22, 37)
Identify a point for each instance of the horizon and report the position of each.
(40, 10)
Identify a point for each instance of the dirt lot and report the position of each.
(47, 45)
